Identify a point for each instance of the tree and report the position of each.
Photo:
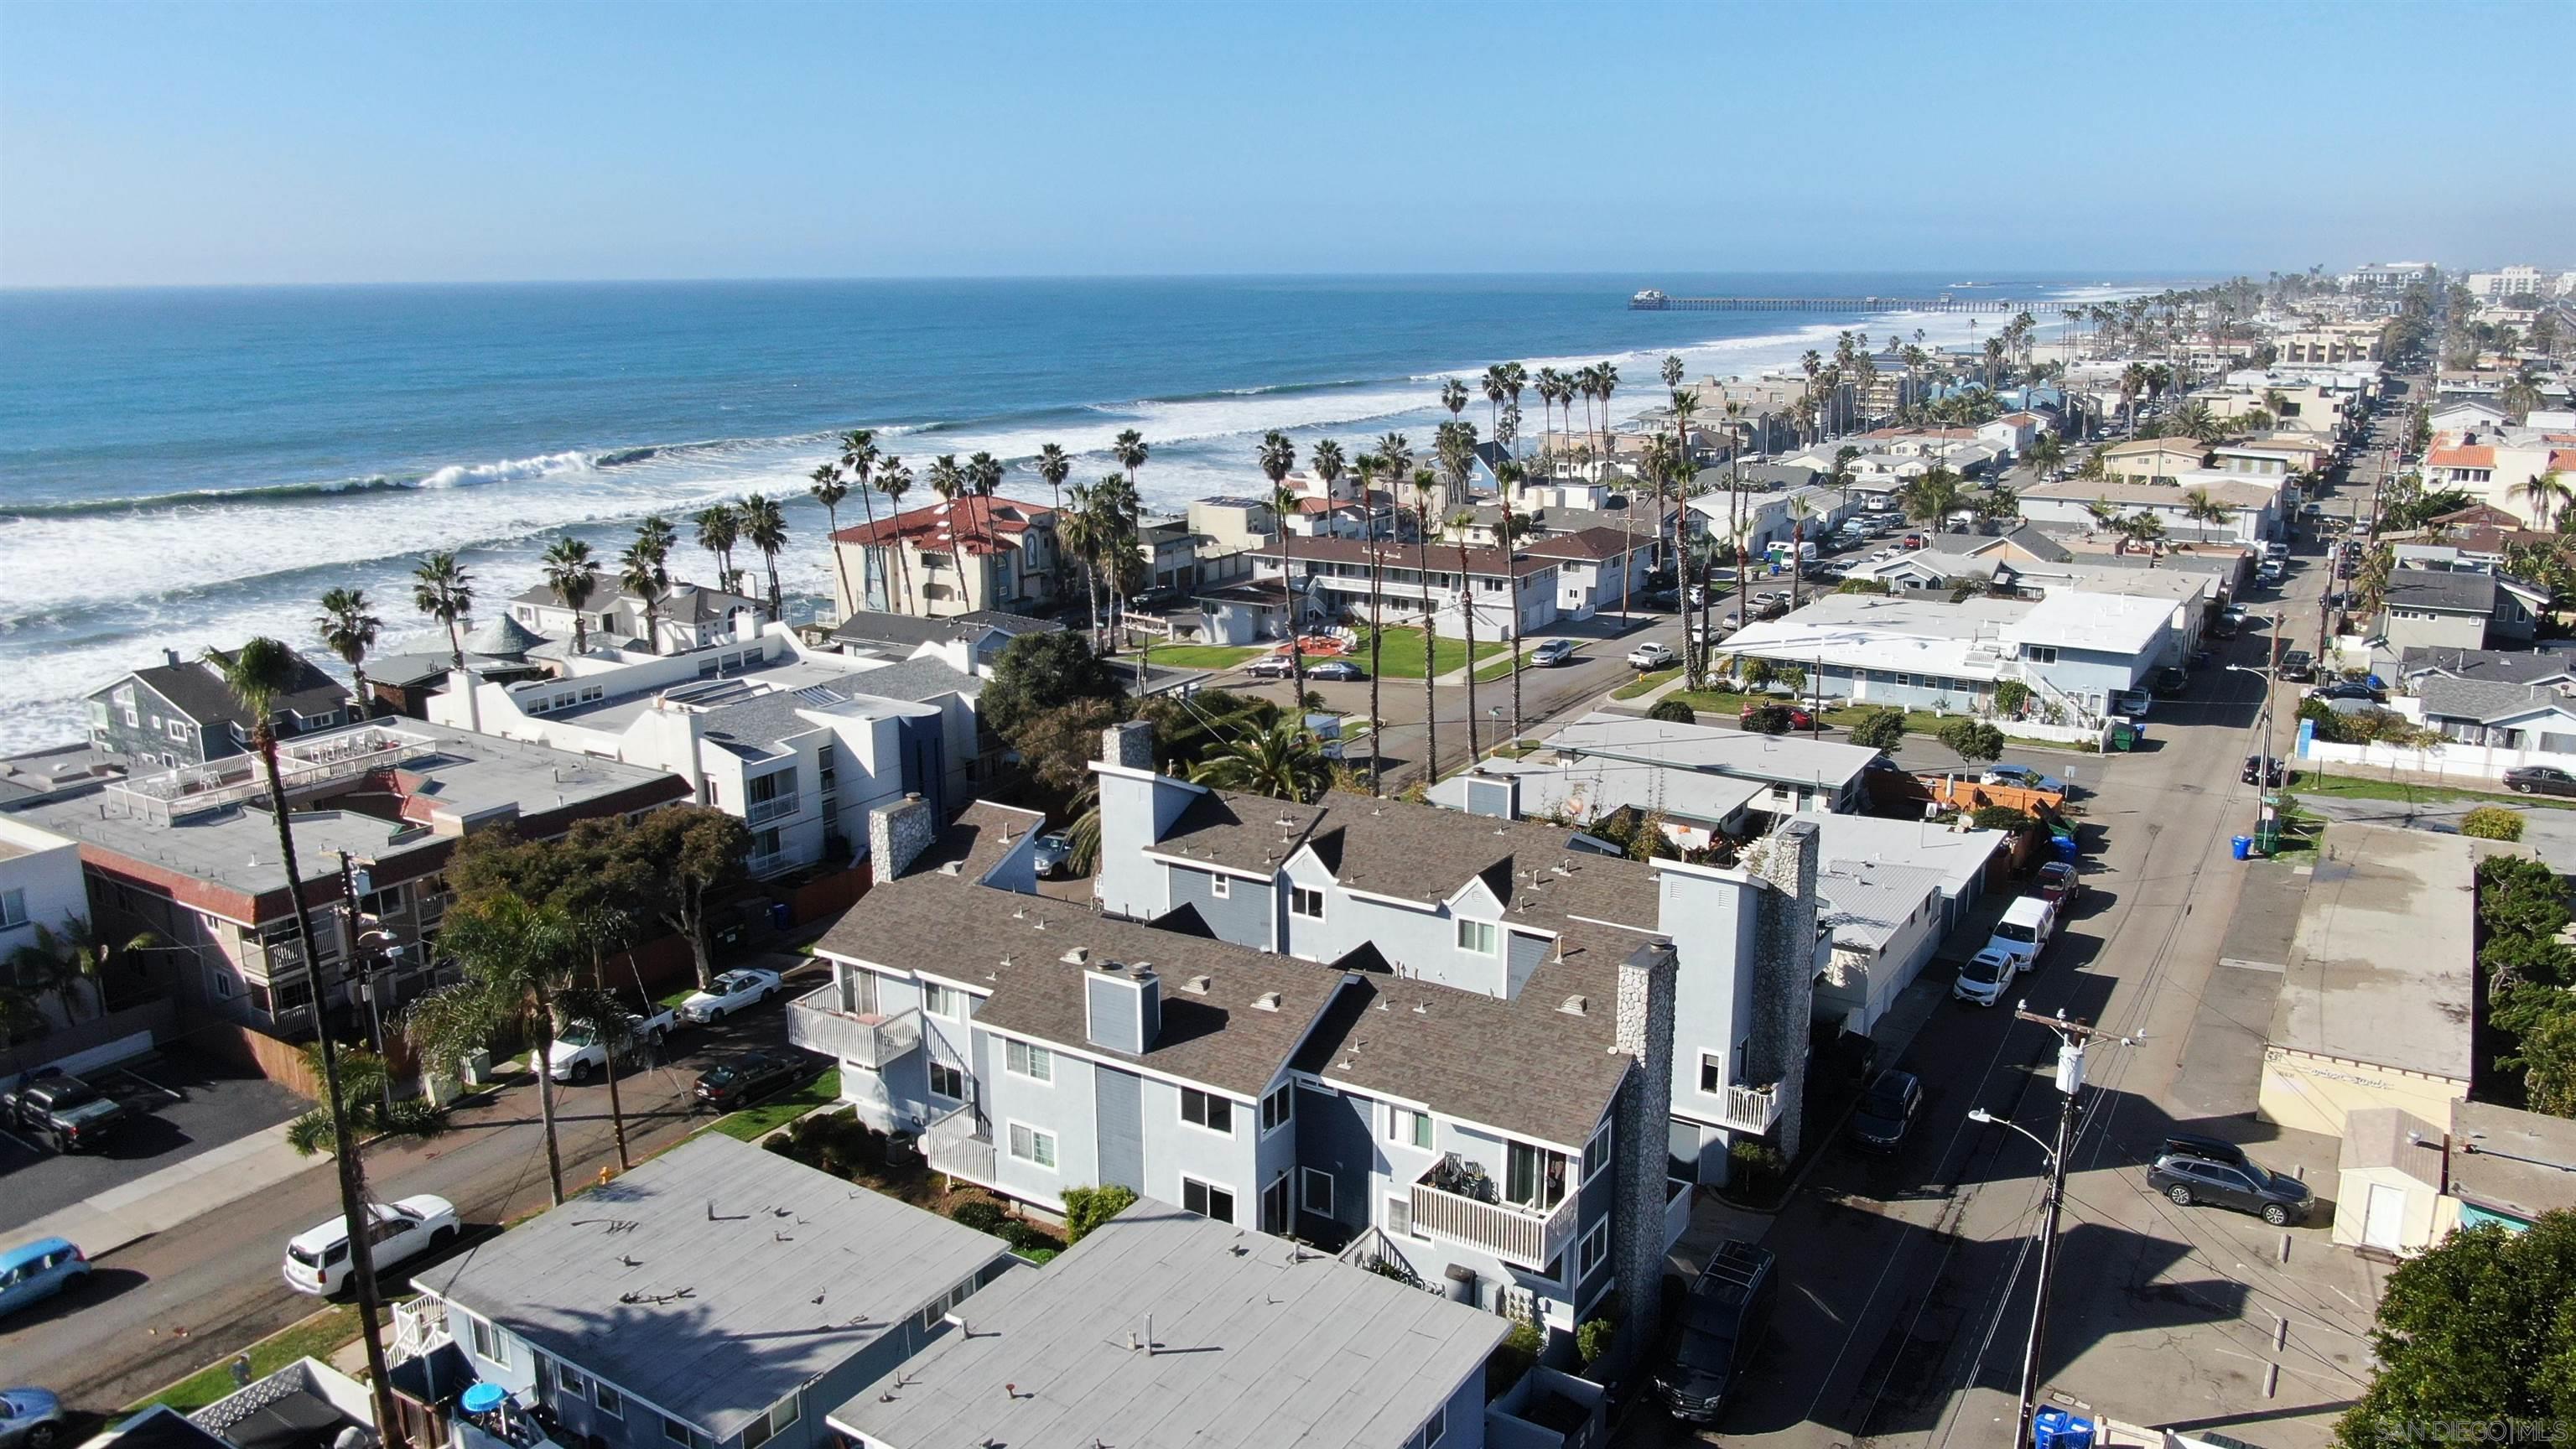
(1972, 740)
(1880, 728)
(640, 572)
(719, 529)
(1038, 672)
(1284, 762)
(695, 852)
(1932, 498)
(829, 489)
(572, 576)
(1086, 1208)
(444, 590)
(2478, 1329)
(518, 957)
(1278, 459)
(1368, 466)
(1672, 711)
(1459, 523)
(764, 527)
(349, 630)
(67, 961)
(895, 480)
(258, 675)
(366, 1105)
(2546, 494)
(1424, 481)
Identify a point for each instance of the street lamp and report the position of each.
(2269, 673)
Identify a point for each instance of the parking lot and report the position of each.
(183, 1104)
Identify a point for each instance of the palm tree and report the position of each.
(1130, 450)
(945, 478)
(2046, 452)
(983, 475)
(1424, 482)
(1367, 467)
(518, 958)
(719, 529)
(1278, 458)
(444, 590)
(1077, 533)
(66, 960)
(1114, 502)
(895, 480)
(1496, 384)
(1054, 465)
(2546, 495)
(1509, 476)
(2202, 509)
(572, 576)
(1455, 449)
(349, 630)
(829, 490)
(2142, 529)
(1932, 498)
(1283, 761)
(1800, 510)
(1453, 396)
(1605, 381)
(764, 527)
(859, 457)
(640, 573)
(259, 674)
(1460, 522)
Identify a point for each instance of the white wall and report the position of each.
(48, 877)
(2454, 761)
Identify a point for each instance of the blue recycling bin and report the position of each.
(2054, 1428)
(781, 915)
(2241, 846)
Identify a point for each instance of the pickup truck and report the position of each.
(575, 1054)
(64, 1110)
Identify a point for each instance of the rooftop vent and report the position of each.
(1575, 1005)
(1266, 1001)
(1196, 985)
(1077, 956)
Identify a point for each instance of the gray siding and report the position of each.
(1243, 916)
(1120, 1103)
(1528, 953)
(1333, 1136)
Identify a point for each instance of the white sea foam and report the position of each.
(509, 470)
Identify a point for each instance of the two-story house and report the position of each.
(973, 554)
(1513, 594)
(689, 617)
(715, 1297)
(2446, 609)
(967, 643)
(180, 712)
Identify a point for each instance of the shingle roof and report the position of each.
(2487, 701)
(1589, 544)
(195, 687)
(2443, 590)
(2495, 666)
(691, 1281)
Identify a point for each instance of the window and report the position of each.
(1411, 1128)
(1594, 1247)
(1476, 936)
(1032, 1146)
(1596, 1153)
(569, 1382)
(1315, 1190)
(1274, 1205)
(945, 1001)
(1278, 1107)
(488, 1343)
(1435, 1428)
(13, 908)
(1203, 1109)
(939, 1308)
(1034, 1062)
(947, 1080)
(759, 1431)
(1712, 1072)
(2039, 653)
(1207, 1200)
(1306, 901)
(681, 1434)
(610, 1401)
(1399, 1215)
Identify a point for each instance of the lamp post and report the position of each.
(2268, 673)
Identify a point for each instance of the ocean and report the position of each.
(182, 468)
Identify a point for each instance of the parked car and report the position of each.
(2265, 770)
(745, 1077)
(1553, 653)
(2022, 776)
(733, 991)
(33, 1272)
(1915, 541)
(2270, 574)
(30, 1419)
(1722, 1323)
(2298, 666)
(1653, 656)
(1774, 719)
(317, 1259)
(1984, 978)
(2189, 1172)
(2134, 703)
(1052, 855)
(2058, 884)
(1338, 671)
(2172, 681)
(1886, 1111)
(65, 1111)
(2023, 931)
(576, 1052)
(1271, 666)
(2348, 689)
(2539, 780)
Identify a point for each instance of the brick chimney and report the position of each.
(898, 834)
(1640, 1137)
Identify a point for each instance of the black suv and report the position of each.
(2204, 1169)
(1723, 1319)
(64, 1110)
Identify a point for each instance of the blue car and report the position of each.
(36, 1271)
(30, 1419)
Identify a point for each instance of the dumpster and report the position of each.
(2241, 846)
(2055, 1428)
(2122, 735)
(2267, 838)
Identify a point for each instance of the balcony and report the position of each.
(1527, 1237)
(872, 1040)
(958, 1145)
(761, 867)
(1753, 1110)
(776, 807)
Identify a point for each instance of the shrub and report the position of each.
(2001, 817)
(2011, 697)
(1972, 739)
(1593, 1340)
(1861, 586)
(1672, 711)
(1513, 1358)
(1754, 1166)
(1759, 672)
(1792, 675)
(1027, 1238)
(1881, 728)
(783, 1146)
(2492, 822)
(1086, 1208)
(982, 1216)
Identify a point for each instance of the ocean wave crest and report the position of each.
(508, 470)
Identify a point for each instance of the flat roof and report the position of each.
(1245, 1340)
(2380, 969)
(1891, 632)
(2520, 1164)
(1865, 903)
(1585, 790)
(1713, 749)
(716, 1279)
(2103, 623)
(756, 706)
(1957, 854)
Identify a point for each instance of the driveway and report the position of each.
(185, 1103)
(2550, 833)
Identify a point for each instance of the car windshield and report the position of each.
(721, 1076)
(1981, 970)
(1704, 1352)
(71, 1094)
(2012, 931)
(1884, 1100)
(305, 1256)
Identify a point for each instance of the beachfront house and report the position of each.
(1512, 594)
(180, 712)
(2074, 651)
(976, 554)
(688, 617)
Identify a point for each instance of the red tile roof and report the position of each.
(2480, 456)
(969, 525)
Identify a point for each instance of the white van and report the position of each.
(2024, 931)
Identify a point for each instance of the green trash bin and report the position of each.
(2122, 736)
(2267, 838)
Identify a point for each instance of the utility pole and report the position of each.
(355, 1210)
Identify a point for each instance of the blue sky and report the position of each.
(281, 142)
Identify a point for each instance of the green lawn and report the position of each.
(1645, 683)
(1400, 653)
(314, 1337)
(753, 1123)
(2361, 786)
(1204, 656)
(1499, 669)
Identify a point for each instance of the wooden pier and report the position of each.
(1653, 301)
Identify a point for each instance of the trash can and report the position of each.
(2065, 847)
(2241, 846)
(781, 915)
(2055, 1428)
(2121, 735)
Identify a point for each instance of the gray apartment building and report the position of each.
(179, 712)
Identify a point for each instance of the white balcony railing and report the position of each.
(1527, 1236)
(776, 807)
(958, 1145)
(816, 1022)
(760, 866)
(1749, 1109)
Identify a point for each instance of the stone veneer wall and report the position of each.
(1640, 1142)
(1130, 744)
(898, 834)
(1783, 990)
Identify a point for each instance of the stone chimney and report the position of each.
(1130, 744)
(1640, 1138)
(1784, 985)
(898, 834)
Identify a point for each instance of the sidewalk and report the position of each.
(177, 1193)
